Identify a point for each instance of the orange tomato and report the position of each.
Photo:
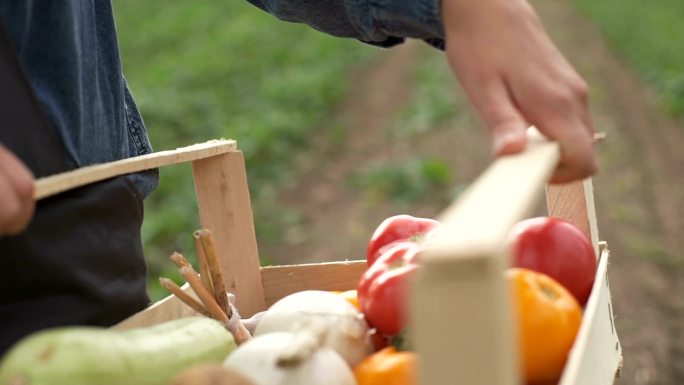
(548, 319)
(351, 297)
(388, 367)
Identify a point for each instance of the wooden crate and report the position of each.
(464, 331)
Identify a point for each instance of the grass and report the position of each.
(407, 182)
(432, 99)
(650, 35)
(652, 250)
(203, 69)
(418, 178)
(412, 180)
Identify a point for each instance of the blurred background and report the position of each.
(338, 135)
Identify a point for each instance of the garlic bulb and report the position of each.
(283, 358)
(346, 331)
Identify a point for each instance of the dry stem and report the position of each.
(179, 259)
(183, 296)
(238, 330)
(209, 287)
(209, 247)
(205, 274)
(207, 299)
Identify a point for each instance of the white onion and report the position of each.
(284, 358)
(346, 331)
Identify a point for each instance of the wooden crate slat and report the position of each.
(280, 281)
(574, 202)
(226, 210)
(58, 183)
(479, 221)
(167, 309)
(596, 355)
(462, 329)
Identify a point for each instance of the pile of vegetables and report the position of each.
(551, 276)
(356, 337)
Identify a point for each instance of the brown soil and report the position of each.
(639, 191)
(639, 199)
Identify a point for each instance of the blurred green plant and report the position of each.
(204, 69)
(417, 179)
(650, 34)
(407, 182)
(432, 99)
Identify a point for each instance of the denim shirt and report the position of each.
(69, 50)
(70, 54)
(384, 23)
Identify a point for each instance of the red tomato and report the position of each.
(558, 249)
(383, 289)
(395, 230)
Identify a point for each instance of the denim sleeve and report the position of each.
(379, 22)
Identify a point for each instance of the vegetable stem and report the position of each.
(205, 274)
(183, 296)
(209, 248)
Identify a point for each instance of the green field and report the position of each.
(203, 69)
(650, 35)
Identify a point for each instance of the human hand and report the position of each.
(515, 77)
(16, 194)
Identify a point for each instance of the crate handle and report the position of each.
(55, 184)
(460, 302)
(479, 220)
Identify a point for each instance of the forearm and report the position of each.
(498, 49)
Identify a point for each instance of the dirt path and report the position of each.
(336, 218)
(639, 192)
(330, 210)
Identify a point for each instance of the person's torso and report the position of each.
(80, 260)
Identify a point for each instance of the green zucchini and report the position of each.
(98, 356)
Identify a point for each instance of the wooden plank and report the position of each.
(58, 183)
(167, 309)
(479, 221)
(280, 281)
(463, 332)
(225, 209)
(596, 356)
(464, 329)
(574, 202)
